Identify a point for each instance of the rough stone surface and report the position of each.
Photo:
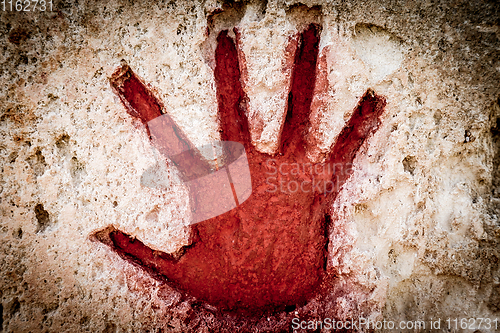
(414, 231)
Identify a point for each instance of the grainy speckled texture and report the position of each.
(415, 231)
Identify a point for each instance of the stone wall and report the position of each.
(414, 231)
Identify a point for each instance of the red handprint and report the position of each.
(269, 252)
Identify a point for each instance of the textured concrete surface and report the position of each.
(415, 230)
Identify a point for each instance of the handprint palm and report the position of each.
(270, 251)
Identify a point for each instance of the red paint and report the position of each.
(270, 252)
(133, 93)
(172, 143)
(230, 95)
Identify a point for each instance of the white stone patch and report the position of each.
(266, 78)
(379, 50)
(346, 84)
